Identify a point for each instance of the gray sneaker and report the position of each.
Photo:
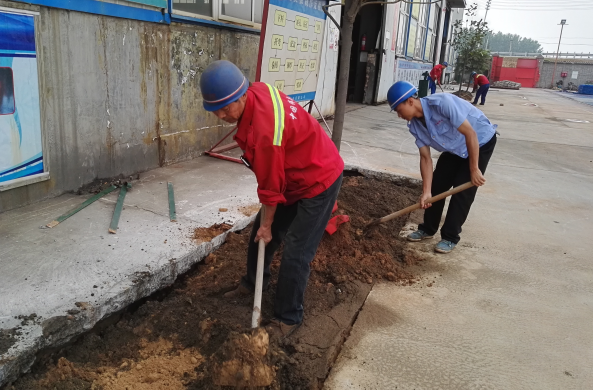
(418, 236)
(444, 246)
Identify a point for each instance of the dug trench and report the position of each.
(170, 340)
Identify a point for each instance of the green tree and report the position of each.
(504, 42)
(468, 43)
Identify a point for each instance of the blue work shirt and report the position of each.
(444, 114)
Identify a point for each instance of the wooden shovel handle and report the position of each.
(416, 206)
(256, 310)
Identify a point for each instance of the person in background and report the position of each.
(466, 139)
(481, 84)
(436, 76)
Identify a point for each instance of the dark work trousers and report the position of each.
(482, 91)
(432, 86)
(300, 226)
(451, 171)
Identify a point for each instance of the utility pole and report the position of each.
(510, 47)
(485, 18)
(487, 9)
(562, 23)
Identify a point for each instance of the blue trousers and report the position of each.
(300, 227)
(432, 86)
(482, 91)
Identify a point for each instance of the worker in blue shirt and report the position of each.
(466, 139)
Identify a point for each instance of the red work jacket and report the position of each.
(288, 151)
(480, 80)
(436, 73)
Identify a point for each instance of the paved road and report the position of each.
(512, 307)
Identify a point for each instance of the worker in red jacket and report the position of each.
(299, 173)
(482, 85)
(436, 76)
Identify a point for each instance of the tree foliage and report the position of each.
(468, 40)
(501, 42)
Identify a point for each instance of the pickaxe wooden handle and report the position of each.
(416, 206)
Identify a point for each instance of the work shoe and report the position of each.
(418, 236)
(239, 292)
(280, 330)
(444, 246)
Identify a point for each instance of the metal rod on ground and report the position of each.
(322, 116)
(172, 202)
(416, 206)
(70, 213)
(441, 87)
(256, 312)
(113, 227)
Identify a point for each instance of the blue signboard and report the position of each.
(21, 153)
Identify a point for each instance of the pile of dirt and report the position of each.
(207, 234)
(464, 95)
(98, 185)
(177, 337)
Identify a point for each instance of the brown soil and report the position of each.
(207, 234)
(177, 338)
(464, 95)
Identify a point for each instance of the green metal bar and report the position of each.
(172, 202)
(113, 227)
(69, 214)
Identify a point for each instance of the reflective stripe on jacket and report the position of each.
(480, 80)
(290, 154)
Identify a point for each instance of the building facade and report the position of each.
(400, 42)
(108, 88)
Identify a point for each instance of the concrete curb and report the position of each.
(57, 331)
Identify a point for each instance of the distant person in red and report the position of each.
(436, 75)
(483, 83)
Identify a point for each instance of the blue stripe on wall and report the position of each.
(107, 9)
(30, 170)
(34, 159)
(154, 3)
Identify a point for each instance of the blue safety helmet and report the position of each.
(399, 92)
(222, 83)
(473, 74)
(445, 64)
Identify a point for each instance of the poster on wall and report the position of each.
(21, 153)
(410, 71)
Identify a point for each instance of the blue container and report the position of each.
(585, 89)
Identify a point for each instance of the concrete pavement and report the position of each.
(512, 306)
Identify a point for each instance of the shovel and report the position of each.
(416, 206)
(241, 361)
(256, 312)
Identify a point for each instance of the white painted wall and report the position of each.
(329, 61)
(388, 59)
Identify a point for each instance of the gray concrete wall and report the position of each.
(121, 96)
(585, 72)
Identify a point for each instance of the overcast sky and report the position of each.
(539, 19)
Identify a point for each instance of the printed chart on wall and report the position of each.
(291, 47)
(410, 71)
(20, 131)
